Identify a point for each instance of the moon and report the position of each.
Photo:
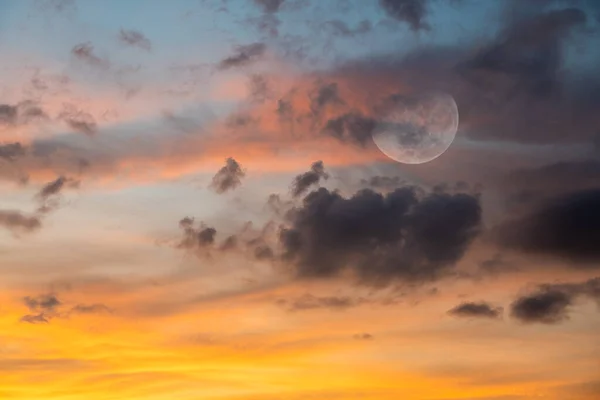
(417, 129)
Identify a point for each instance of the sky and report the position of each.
(193, 206)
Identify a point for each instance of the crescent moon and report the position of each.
(417, 129)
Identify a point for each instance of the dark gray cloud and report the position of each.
(43, 303)
(243, 56)
(43, 308)
(380, 237)
(380, 182)
(17, 222)
(46, 307)
(304, 181)
(352, 127)
(324, 95)
(34, 319)
(551, 303)
(228, 177)
(12, 151)
(84, 52)
(545, 306)
(525, 188)
(47, 195)
(52, 188)
(338, 27)
(196, 238)
(269, 6)
(477, 310)
(263, 252)
(567, 227)
(135, 38)
(412, 12)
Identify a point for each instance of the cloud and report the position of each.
(304, 181)
(90, 309)
(269, 6)
(78, 120)
(196, 238)
(505, 88)
(363, 336)
(546, 306)
(400, 235)
(12, 151)
(382, 182)
(46, 307)
(52, 188)
(243, 56)
(17, 222)
(551, 303)
(412, 12)
(338, 27)
(135, 39)
(476, 310)
(229, 177)
(44, 303)
(526, 188)
(352, 127)
(311, 302)
(84, 52)
(20, 113)
(34, 319)
(567, 227)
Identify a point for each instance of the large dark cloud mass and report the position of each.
(567, 227)
(379, 237)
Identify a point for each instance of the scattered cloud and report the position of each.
(411, 12)
(12, 151)
(229, 177)
(135, 39)
(304, 181)
(476, 310)
(84, 52)
(17, 222)
(243, 56)
(311, 302)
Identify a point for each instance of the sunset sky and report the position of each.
(193, 207)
